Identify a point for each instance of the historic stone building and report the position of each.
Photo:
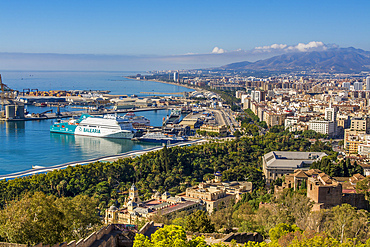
(135, 210)
(214, 193)
(324, 190)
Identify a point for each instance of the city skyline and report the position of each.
(154, 35)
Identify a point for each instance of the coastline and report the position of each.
(167, 82)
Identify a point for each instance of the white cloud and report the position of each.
(218, 50)
(271, 47)
(313, 45)
(301, 47)
(218, 57)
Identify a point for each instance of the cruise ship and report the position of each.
(108, 126)
(160, 137)
(137, 121)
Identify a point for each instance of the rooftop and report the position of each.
(292, 160)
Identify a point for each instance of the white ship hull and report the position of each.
(107, 133)
(109, 126)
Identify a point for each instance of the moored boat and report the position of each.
(108, 126)
(137, 121)
(173, 118)
(161, 138)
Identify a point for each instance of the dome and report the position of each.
(113, 208)
(131, 204)
(166, 194)
(218, 174)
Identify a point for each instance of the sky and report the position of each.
(154, 35)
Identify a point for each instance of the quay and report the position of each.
(158, 93)
(77, 113)
(109, 158)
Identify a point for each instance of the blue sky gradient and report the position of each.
(174, 28)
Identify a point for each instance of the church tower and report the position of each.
(218, 177)
(134, 194)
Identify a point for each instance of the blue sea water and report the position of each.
(24, 144)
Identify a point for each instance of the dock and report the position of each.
(78, 113)
(161, 93)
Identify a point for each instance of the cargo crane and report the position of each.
(42, 114)
(6, 93)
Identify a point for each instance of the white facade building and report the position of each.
(346, 85)
(258, 96)
(331, 114)
(290, 121)
(368, 83)
(176, 76)
(357, 86)
(322, 126)
(364, 149)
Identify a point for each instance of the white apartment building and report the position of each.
(346, 85)
(368, 83)
(258, 96)
(331, 114)
(323, 127)
(290, 121)
(364, 149)
(357, 85)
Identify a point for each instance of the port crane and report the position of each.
(6, 93)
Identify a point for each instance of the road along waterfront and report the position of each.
(108, 158)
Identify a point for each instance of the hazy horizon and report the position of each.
(163, 35)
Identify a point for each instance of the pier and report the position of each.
(109, 158)
(159, 93)
(78, 113)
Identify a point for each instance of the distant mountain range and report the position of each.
(344, 60)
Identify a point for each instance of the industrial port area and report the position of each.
(187, 113)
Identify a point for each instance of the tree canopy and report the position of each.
(41, 218)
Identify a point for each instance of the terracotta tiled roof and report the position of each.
(300, 174)
(313, 172)
(325, 179)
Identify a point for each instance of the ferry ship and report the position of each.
(108, 126)
(137, 121)
(173, 118)
(160, 137)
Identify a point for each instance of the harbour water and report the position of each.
(30, 143)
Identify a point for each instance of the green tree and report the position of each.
(199, 222)
(237, 134)
(363, 187)
(344, 221)
(47, 219)
(282, 229)
(79, 215)
(32, 220)
(169, 235)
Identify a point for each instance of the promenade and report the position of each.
(108, 158)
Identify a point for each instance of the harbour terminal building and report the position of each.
(279, 163)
